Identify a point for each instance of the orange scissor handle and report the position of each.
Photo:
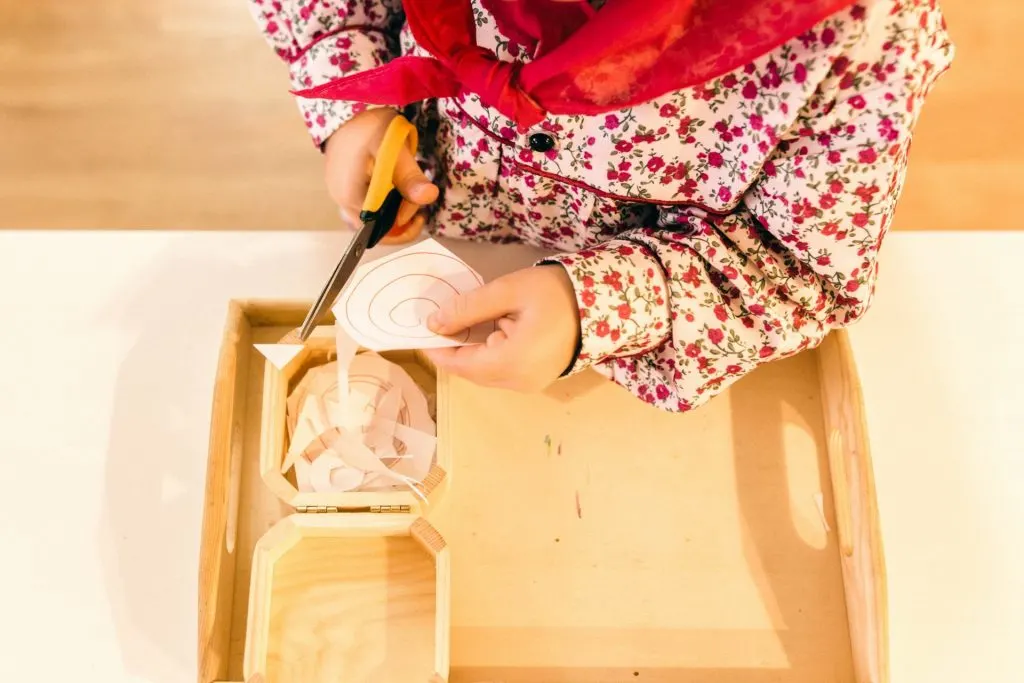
(400, 132)
(380, 207)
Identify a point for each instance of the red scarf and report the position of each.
(585, 61)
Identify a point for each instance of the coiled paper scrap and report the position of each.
(358, 423)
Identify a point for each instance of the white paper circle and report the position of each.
(346, 478)
(330, 473)
(393, 299)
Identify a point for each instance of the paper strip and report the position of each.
(346, 350)
(386, 303)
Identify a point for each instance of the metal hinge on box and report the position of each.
(319, 509)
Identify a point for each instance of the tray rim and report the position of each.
(849, 456)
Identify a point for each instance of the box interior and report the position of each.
(344, 606)
(696, 547)
(321, 351)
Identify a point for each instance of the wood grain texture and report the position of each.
(216, 564)
(259, 508)
(228, 599)
(860, 535)
(174, 114)
(967, 164)
(163, 114)
(593, 536)
(342, 597)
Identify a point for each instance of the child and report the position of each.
(717, 175)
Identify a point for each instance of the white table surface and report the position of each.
(110, 343)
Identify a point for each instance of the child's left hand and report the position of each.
(538, 328)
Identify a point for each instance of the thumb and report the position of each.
(410, 180)
(490, 302)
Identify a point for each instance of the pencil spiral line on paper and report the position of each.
(401, 301)
(386, 304)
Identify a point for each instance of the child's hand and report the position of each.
(349, 163)
(538, 327)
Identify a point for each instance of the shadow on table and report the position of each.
(156, 459)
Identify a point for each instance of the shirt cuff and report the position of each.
(622, 298)
(338, 55)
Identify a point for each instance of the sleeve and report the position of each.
(678, 312)
(325, 39)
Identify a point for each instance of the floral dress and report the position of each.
(707, 231)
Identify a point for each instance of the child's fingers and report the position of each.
(349, 192)
(483, 364)
(411, 182)
(497, 337)
(400, 233)
(350, 216)
(406, 212)
(348, 185)
(492, 301)
(405, 233)
(347, 179)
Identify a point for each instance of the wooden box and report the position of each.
(579, 536)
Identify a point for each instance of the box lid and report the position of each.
(358, 597)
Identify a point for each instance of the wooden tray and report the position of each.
(591, 538)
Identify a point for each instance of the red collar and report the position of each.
(585, 61)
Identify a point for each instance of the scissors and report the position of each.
(380, 208)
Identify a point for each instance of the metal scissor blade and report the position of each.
(342, 272)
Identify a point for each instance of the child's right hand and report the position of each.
(349, 163)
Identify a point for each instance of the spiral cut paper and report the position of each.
(359, 423)
(386, 303)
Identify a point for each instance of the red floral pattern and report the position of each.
(324, 39)
(707, 232)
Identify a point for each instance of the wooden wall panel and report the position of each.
(173, 114)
